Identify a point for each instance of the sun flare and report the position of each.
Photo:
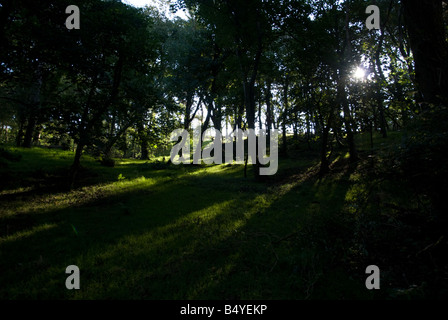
(359, 73)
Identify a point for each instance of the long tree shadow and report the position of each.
(199, 237)
(44, 181)
(39, 243)
(59, 236)
(291, 250)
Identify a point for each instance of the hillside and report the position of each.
(150, 230)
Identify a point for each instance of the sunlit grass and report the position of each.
(179, 232)
(79, 197)
(24, 234)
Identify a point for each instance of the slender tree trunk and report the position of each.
(380, 80)
(189, 104)
(341, 92)
(308, 129)
(142, 135)
(324, 159)
(214, 109)
(324, 163)
(78, 154)
(76, 164)
(296, 128)
(250, 104)
(209, 115)
(284, 116)
(86, 125)
(217, 117)
(268, 98)
(383, 123)
(35, 106)
(249, 73)
(347, 122)
(239, 116)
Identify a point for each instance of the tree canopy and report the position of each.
(129, 76)
(357, 110)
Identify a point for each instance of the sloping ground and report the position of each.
(145, 231)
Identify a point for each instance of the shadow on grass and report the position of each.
(293, 249)
(33, 259)
(199, 233)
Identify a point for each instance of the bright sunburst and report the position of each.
(359, 73)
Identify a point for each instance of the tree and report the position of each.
(108, 51)
(426, 29)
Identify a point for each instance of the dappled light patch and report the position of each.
(189, 232)
(24, 234)
(83, 196)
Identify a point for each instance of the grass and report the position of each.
(137, 231)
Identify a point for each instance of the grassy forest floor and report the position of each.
(148, 230)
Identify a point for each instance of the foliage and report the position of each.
(362, 163)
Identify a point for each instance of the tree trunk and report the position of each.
(341, 92)
(426, 29)
(216, 115)
(342, 97)
(249, 90)
(145, 151)
(283, 150)
(296, 128)
(7, 7)
(37, 133)
(28, 139)
(206, 123)
(189, 104)
(380, 81)
(78, 153)
(324, 163)
(308, 129)
(20, 132)
(383, 124)
(143, 140)
(76, 165)
(86, 125)
(34, 110)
